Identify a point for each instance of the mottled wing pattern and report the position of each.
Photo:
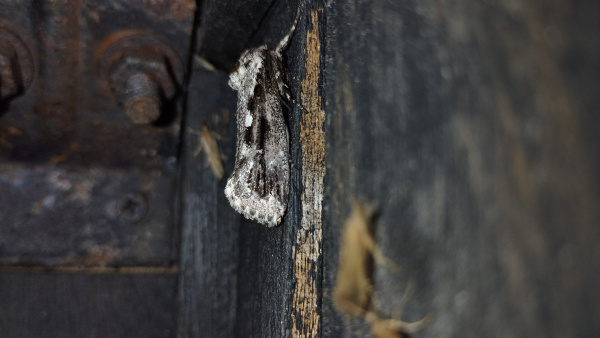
(259, 185)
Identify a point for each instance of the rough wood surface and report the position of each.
(210, 230)
(276, 271)
(307, 249)
(463, 122)
(471, 126)
(467, 123)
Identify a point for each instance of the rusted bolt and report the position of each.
(143, 74)
(16, 66)
(142, 99)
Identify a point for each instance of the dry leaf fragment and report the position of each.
(208, 143)
(353, 293)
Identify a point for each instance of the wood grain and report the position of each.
(471, 125)
(457, 120)
(307, 248)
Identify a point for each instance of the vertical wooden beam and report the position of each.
(307, 247)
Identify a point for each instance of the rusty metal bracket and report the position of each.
(89, 142)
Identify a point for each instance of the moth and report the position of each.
(353, 292)
(258, 187)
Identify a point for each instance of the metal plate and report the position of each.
(74, 170)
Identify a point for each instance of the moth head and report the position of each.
(247, 66)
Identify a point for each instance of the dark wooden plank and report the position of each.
(467, 123)
(210, 228)
(236, 274)
(279, 286)
(455, 119)
(87, 305)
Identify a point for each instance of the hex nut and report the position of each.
(142, 73)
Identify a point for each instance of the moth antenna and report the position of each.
(298, 104)
(202, 63)
(292, 100)
(286, 38)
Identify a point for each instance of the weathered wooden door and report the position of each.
(470, 125)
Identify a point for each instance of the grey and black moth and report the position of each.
(259, 185)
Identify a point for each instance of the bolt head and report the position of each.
(142, 109)
(143, 73)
